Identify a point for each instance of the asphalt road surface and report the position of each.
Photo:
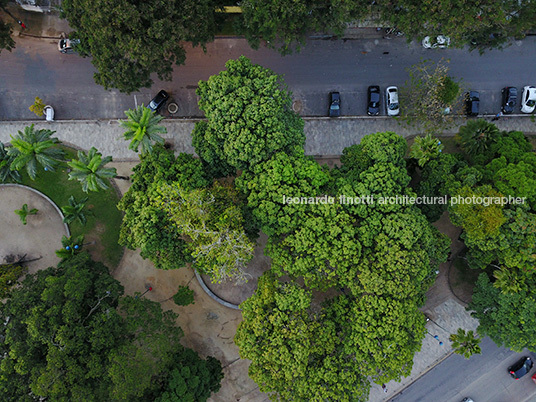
(483, 378)
(36, 68)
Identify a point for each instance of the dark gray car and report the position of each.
(509, 99)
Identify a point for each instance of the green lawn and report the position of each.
(102, 227)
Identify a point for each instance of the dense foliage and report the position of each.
(145, 225)
(128, 40)
(211, 222)
(284, 24)
(6, 41)
(249, 116)
(373, 260)
(70, 335)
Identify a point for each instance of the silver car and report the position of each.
(65, 46)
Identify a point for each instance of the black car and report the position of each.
(373, 103)
(335, 104)
(509, 99)
(472, 103)
(521, 368)
(158, 101)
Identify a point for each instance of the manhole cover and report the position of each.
(297, 106)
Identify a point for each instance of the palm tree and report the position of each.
(143, 129)
(24, 212)
(75, 210)
(477, 137)
(508, 280)
(5, 167)
(90, 171)
(32, 147)
(465, 344)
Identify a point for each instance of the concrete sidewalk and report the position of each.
(324, 136)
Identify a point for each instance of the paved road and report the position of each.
(36, 68)
(482, 378)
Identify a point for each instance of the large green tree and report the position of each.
(506, 317)
(375, 260)
(249, 116)
(69, 335)
(128, 40)
(480, 25)
(285, 24)
(294, 350)
(6, 41)
(212, 223)
(145, 225)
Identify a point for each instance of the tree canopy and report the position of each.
(285, 24)
(145, 225)
(70, 335)
(430, 97)
(128, 41)
(372, 261)
(211, 221)
(249, 116)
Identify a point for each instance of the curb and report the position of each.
(212, 295)
(193, 119)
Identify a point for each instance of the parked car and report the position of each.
(391, 101)
(158, 101)
(472, 103)
(441, 41)
(373, 103)
(66, 46)
(533, 377)
(528, 99)
(334, 104)
(521, 367)
(509, 99)
(467, 400)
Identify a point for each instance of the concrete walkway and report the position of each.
(324, 136)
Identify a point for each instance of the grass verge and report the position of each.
(102, 225)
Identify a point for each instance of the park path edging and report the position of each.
(212, 295)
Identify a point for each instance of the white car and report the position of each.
(441, 41)
(391, 101)
(528, 99)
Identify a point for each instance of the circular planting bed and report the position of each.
(231, 293)
(40, 237)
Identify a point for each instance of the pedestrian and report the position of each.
(384, 387)
(497, 116)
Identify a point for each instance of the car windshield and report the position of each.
(393, 106)
(335, 106)
(531, 103)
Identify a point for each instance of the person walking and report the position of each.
(384, 387)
